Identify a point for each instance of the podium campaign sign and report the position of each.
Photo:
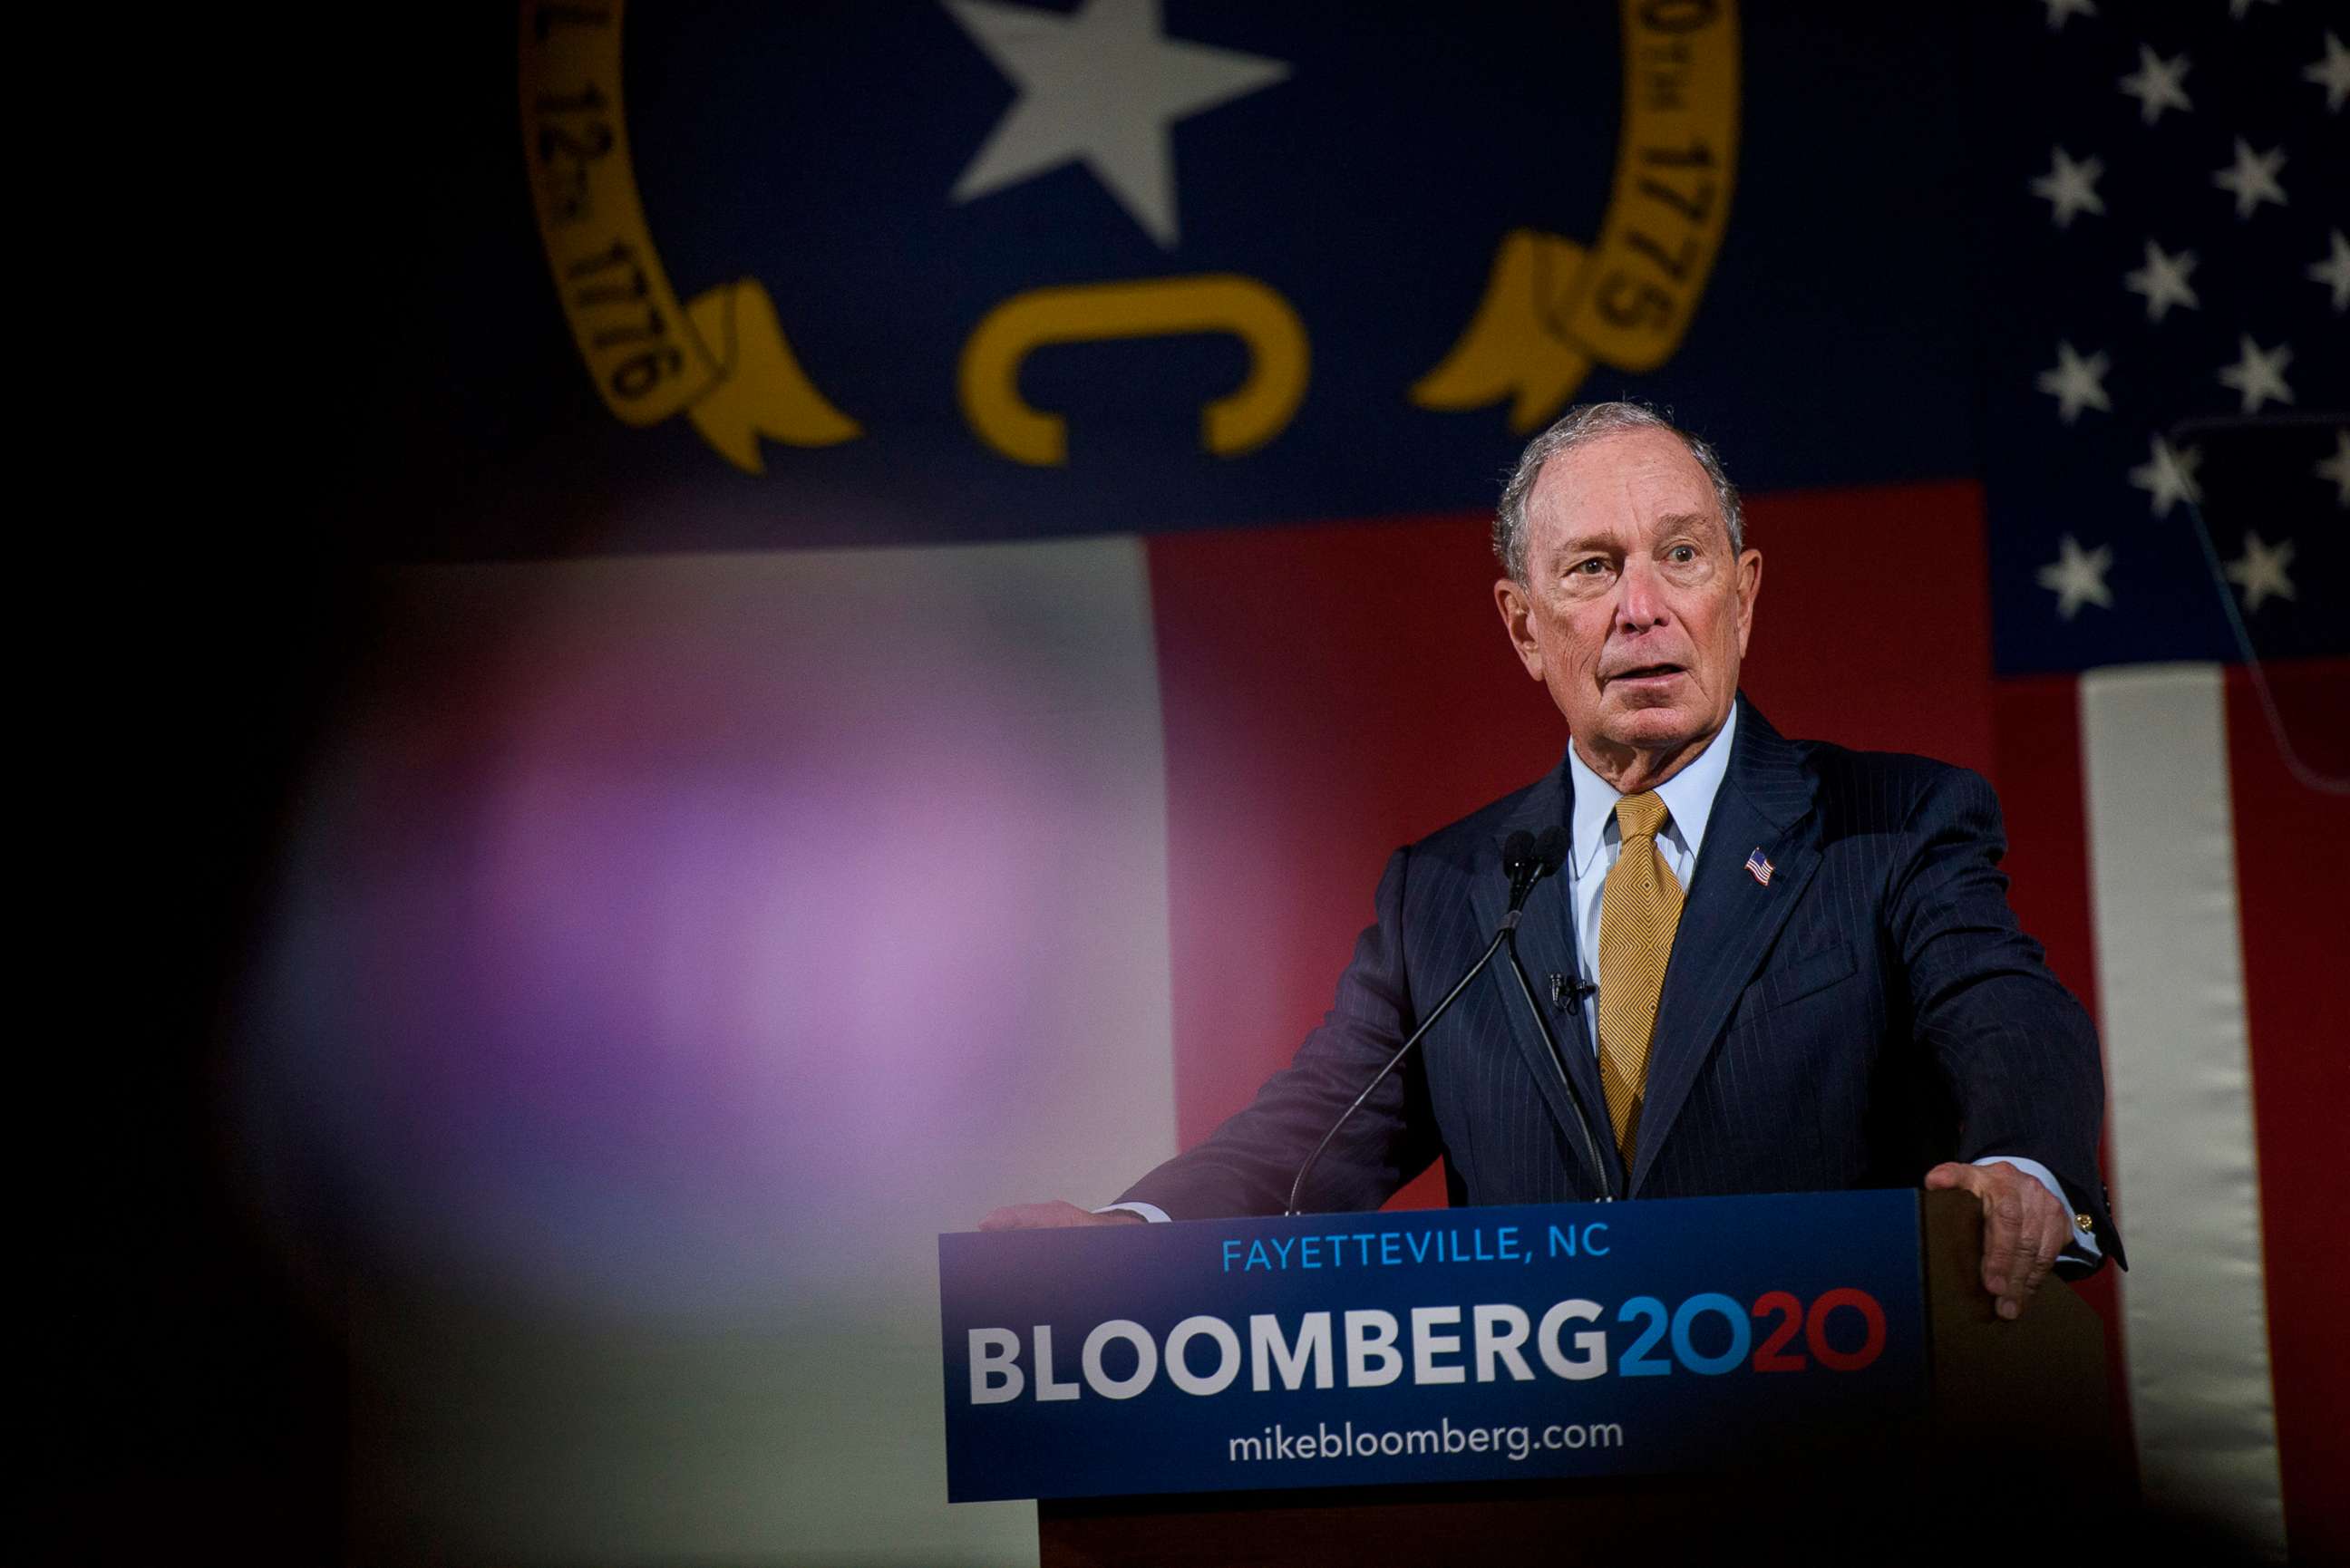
(1448, 1344)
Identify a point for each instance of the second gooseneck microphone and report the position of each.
(1527, 863)
(1526, 860)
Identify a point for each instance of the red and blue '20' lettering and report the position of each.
(1818, 1324)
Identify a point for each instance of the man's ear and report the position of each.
(1750, 588)
(1517, 614)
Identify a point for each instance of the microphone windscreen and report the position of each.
(1518, 853)
(1552, 847)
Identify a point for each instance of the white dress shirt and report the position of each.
(1595, 841)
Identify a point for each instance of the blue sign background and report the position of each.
(1165, 1440)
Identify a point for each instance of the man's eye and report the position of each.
(1684, 553)
(1590, 567)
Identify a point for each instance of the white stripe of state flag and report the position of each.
(671, 948)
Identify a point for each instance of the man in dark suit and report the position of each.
(1771, 965)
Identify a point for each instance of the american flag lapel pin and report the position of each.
(1758, 867)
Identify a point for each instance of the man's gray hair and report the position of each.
(1580, 424)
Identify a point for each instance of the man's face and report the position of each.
(1635, 611)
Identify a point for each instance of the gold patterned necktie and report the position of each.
(1639, 908)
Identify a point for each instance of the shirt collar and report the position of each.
(1687, 795)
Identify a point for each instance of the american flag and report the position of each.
(2167, 496)
(2167, 450)
(1759, 867)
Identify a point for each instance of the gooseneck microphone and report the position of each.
(1550, 852)
(1526, 860)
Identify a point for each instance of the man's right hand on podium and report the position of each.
(1054, 1216)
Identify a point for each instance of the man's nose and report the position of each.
(1639, 597)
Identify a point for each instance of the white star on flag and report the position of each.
(2260, 572)
(2252, 177)
(2158, 84)
(1102, 86)
(2167, 475)
(2163, 281)
(2059, 11)
(2332, 73)
(2259, 374)
(2070, 188)
(2335, 271)
(2337, 469)
(2077, 577)
(2076, 383)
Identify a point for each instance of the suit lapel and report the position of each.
(1546, 946)
(1730, 919)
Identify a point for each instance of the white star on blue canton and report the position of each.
(2077, 576)
(2332, 73)
(2163, 281)
(2337, 468)
(2334, 272)
(2158, 84)
(2070, 188)
(2076, 383)
(2167, 475)
(1102, 86)
(2260, 572)
(2258, 374)
(2252, 178)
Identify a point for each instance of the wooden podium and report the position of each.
(2015, 1454)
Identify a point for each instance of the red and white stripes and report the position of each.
(2183, 1155)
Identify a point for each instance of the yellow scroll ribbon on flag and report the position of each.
(1552, 309)
(723, 360)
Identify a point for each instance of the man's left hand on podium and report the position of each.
(2024, 1227)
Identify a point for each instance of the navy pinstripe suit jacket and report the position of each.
(1872, 1010)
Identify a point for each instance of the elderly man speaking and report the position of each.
(1774, 965)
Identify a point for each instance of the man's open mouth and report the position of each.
(1646, 673)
